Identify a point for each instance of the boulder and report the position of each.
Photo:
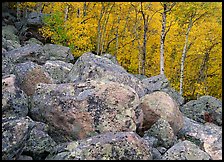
(79, 110)
(57, 70)
(35, 19)
(15, 133)
(156, 155)
(57, 52)
(108, 146)
(205, 109)
(14, 100)
(9, 33)
(40, 54)
(207, 136)
(111, 58)
(161, 83)
(7, 65)
(160, 105)
(90, 66)
(39, 144)
(9, 44)
(185, 150)
(32, 41)
(163, 131)
(29, 75)
(25, 157)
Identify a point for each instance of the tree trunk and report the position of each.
(66, 13)
(18, 11)
(99, 31)
(184, 56)
(144, 45)
(84, 9)
(162, 39)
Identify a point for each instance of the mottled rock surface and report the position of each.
(79, 110)
(14, 100)
(185, 150)
(109, 146)
(29, 75)
(15, 133)
(163, 131)
(204, 109)
(57, 70)
(90, 66)
(207, 136)
(160, 105)
(39, 144)
(161, 83)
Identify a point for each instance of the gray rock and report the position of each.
(57, 52)
(162, 150)
(9, 33)
(90, 66)
(14, 100)
(185, 150)
(151, 140)
(39, 144)
(10, 44)
(76, 111)
(163, 131)
(203, 108)
(29, 75)
(205, 136)
(33, 41)
(57, 70)
(25, 157)
(108, 146)
(111, 58)
(161, 83)
(35, 19)
(156, 155)
(15, 133)
(7, 65)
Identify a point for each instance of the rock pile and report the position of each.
(55, 109)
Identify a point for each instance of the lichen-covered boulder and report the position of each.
(25, 157)
(163, 131)
(111, 58)
(90, 66)
(204, 109)
(33, 41)
(39, 144)
(161, 83)
(10, 44)
(108, 146)
(185, 150)
(7, 66)
(79, 110)
(29, 75)
(9, 33)
(57, 52)
(35, 19)
(25, 53)
(14, 100)
(15, 133)
(205, 136)
(40, 54)
(57, 70)
(160, 105)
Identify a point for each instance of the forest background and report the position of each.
(182, 40)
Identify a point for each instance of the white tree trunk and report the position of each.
(162, 40)
(184, 56)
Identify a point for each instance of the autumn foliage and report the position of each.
(118, 28)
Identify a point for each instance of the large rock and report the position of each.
(204, 109)
(40, 54)
(9, 33)
(208, 137)
(76, 111)
(90, 66)
(185, 150)
(15, 133)
(32, 41)
(10, 44)
(39, 144)
(35, 19)
(161, 83)
(57, 70)
(109, 146)
(29, 75)
(14, 100)
(160, 105)
(163, 131)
